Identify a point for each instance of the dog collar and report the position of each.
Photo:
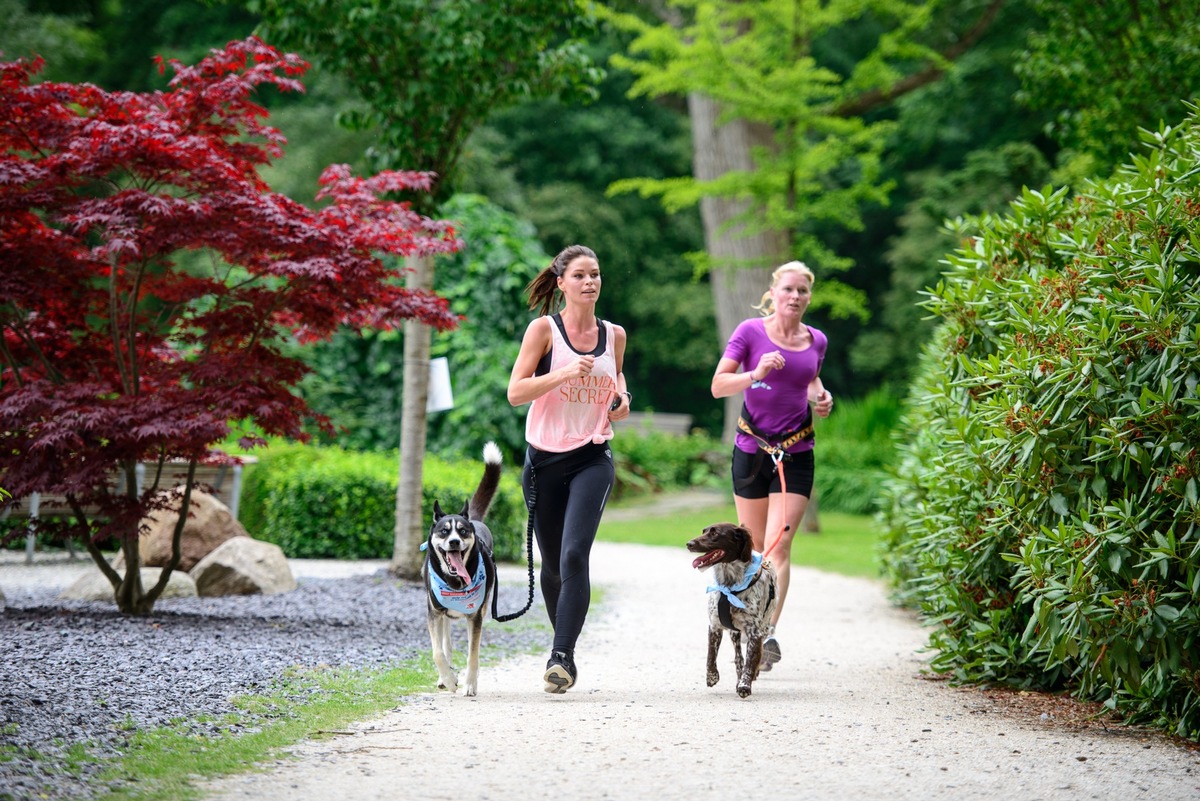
(730, 592)
(466, 600)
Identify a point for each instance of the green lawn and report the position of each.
(846, 543)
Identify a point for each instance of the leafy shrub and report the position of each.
(329, 503)
(655, 461)
(1044, 510)
(853, 449)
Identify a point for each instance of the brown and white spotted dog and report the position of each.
(742, 599)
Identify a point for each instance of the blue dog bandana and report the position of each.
(747, 579)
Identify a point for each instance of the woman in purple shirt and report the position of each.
(776, 361)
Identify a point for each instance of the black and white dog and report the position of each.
(743, 599)
(460, 575)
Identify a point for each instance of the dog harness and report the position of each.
(729, 596)
(464, 601)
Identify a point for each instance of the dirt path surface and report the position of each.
(844, 715)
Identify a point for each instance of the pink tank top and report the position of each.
(574, 413)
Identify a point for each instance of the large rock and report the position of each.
(209, 525)
(244, 566)
(93, 586)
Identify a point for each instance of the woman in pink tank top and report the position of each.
(570, 370)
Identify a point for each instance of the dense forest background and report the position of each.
(1049, 93)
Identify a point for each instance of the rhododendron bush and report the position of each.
(1045, 514)
(151, 279)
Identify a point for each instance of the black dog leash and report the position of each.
(529, 559)
(531, 504)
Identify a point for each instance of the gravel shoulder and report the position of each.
(846, 713)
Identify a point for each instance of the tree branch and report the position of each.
(857, 106)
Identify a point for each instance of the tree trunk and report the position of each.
(410, 527)
(742, 260)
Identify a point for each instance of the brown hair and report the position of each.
(543, 288)
(767, 306)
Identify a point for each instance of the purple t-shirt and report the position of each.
(779, 403)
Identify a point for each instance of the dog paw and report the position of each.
(743, 690)
(448, 683)
(713, 677)
(469, 690)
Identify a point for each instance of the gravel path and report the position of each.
(844, 715)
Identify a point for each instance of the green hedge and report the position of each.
(1044, 515)
(329, 503)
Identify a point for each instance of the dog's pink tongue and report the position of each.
(456, 564)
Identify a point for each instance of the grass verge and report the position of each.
(172, 762)
(845, 545)
(169, 762)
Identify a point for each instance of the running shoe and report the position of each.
(770, 654)
(560, 672)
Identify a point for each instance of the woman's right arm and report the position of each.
(728, 381)
(524, 386)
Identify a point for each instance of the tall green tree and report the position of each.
(429, 74)
(783, 98)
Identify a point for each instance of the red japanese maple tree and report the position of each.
(150, 280)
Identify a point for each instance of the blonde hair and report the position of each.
(766, 306)
(544, 286)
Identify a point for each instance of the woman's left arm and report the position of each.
(819, 398)
(622, 410)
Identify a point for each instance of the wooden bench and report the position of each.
(647, 422)
(223, 481)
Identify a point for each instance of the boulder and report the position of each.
(93, 586)
(244, 566)
(209, 525)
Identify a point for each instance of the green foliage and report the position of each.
(1045, 511)
(986, 183)
(562, 171)
(61, 39)
(329, 503)
(653, 462)
(484, 283)
(853, 449)
(1106, 69)
(758, 61)
(358, 380)
(431, 73)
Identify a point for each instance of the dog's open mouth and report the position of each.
(455, 560)
(708, 559)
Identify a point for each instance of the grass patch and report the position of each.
(167, 762)
(846, 544)
(307, 704)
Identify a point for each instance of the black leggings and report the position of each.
(572, 489)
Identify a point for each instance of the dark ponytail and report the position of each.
(543, 288)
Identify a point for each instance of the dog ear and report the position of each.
(437, 512)
(466, 512)
(747, 543)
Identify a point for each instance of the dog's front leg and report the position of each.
(439, 644)
(714, 645)
(735, 637)
(753, 659)
(475, 634)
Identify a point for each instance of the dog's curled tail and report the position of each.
(481, 501)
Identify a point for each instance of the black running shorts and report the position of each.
(755, 474)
